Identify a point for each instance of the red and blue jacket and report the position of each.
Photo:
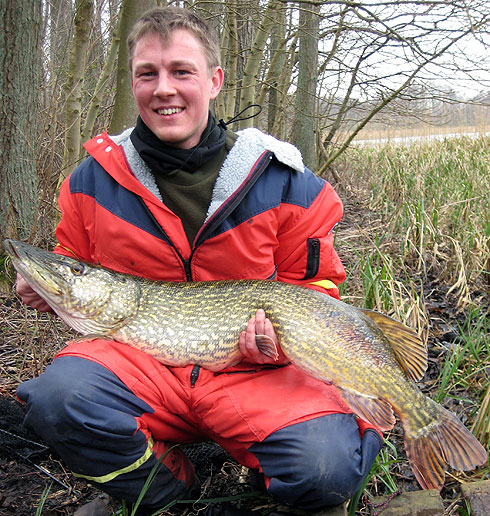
(269, 218)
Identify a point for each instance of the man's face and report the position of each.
(173, 86)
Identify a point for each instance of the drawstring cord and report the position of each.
(236, 118)
(239, 117)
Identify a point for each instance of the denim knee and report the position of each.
(317, 463)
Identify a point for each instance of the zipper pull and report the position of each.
(194, 375)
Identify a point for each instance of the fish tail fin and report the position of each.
(446, 441)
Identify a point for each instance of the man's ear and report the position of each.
(217, 79)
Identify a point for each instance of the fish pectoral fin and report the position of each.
(376, 411)
(267, 346)
(410, 352)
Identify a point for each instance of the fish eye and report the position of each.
(78, 269)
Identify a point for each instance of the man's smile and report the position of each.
(169, 111)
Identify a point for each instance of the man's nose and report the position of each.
(164, 86)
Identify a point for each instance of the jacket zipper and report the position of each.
(233, 202)
(201, 237)
(185, 263)
(260, 166)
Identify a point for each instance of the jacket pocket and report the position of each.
(313, 258)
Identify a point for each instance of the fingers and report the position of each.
(260, 322)
(259, 325)
(248, 347)
(29, 296)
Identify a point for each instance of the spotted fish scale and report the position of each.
(372, 359)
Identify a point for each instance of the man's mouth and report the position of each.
(169, 111)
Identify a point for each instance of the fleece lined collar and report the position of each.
(249, 146)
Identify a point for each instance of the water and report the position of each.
(410, 139)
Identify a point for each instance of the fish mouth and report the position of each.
(11, 248)
(33, 265)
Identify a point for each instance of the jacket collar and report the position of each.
(248, 148)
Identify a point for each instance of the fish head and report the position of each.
(90, 299)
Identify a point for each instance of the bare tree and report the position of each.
(374, 52)
(125, 113)
(252, 67)
(378, 60)
(84, 10)
(98, 92)
(304, 126)
(20, 29)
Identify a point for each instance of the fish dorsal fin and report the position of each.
(410, 352)
(374, 410)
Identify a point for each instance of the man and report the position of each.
(181, 198)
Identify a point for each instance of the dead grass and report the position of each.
(29, 341)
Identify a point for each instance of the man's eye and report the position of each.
(182, 72)
(145, 75)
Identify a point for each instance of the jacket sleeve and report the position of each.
(71, 232)
(305, 254)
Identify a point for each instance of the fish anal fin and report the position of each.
(410, 352)
(267, 346)
(446, 442)
(376, 411)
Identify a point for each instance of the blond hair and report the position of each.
(162, 21)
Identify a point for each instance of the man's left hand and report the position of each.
(260, 325)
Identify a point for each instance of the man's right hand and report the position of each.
(29, 296)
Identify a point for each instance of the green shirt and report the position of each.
(188, 194)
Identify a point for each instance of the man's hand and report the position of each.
(260, 325)
(29, 296)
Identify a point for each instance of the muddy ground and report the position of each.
(29, 340)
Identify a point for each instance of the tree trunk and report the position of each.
(20, 44)
(278, 58)
(97, 96)
(125, 111)
(73, 87)
(252, 67)
(229, 59)
(303, 134)
(280, 127)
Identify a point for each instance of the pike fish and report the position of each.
(371, 359)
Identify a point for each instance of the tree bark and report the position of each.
(73, 86)
(229, 57)
(278, 58)
(125, 112)
(303, 134)
(96, 100)
(20, 62)
(252, 68)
